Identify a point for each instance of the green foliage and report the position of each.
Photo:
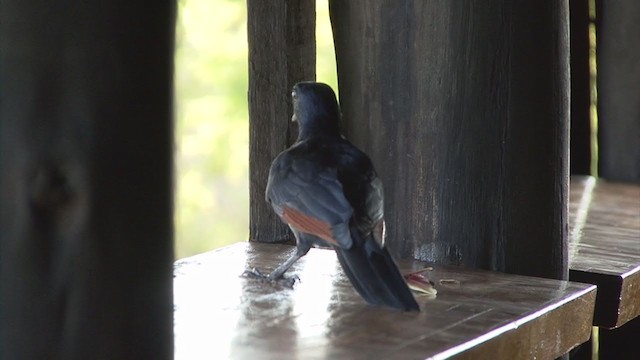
(325, 53)
(212, 128)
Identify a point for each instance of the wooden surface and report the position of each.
(282, 52)
(605, 246)
(86, 144)
(466, 123)
(478, 315)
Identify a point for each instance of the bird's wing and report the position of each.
(364, 191)
(310, 198)
(374, 205)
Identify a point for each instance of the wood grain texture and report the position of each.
(477, 315)
(282, 52)
(464, 110)
(618, 90)
(605, 246)
(86, 179)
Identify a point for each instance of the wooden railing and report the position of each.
(605, 251)
(475, 314)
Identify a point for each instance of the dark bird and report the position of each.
(329, 194)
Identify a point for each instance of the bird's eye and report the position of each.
(294, 94)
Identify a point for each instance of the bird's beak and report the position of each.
(293, 118)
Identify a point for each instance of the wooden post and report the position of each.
(580, 153)
(464, 108)
(618, 36)
(282, 52)
(580, 137)
(86, 179)
(618, 47)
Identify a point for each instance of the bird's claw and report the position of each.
(254, 274)
(287, 281)
(282, 280)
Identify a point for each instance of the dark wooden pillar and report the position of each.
(282, 52)
(618, 35)
(580, 147)
(85, 179)
(464, 108)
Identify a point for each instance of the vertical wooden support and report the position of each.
(86, 179)
(618, 39)
(580, 147)
(618, 35)
(464, 108)
(282, 52)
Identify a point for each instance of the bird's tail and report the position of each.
(374, 274)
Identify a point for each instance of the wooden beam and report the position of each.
(86, 179)
(282, 52)
(580, 88)
(464, 109)
(604, 246)
(474, 315)
(604, 251)
(618, 46)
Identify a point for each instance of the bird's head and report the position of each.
(316, 109)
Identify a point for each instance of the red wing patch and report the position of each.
(308, 224)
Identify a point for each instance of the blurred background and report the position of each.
(212, 123)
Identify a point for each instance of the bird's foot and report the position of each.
(287, 282)
(254, 274)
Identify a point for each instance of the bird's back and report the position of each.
(328, 192)
(326, 165)
(304, 190)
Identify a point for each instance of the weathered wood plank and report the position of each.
(86, 179)
(282, 52)
(463, 107)
(479, 315)
(618, 89)
(605, 246)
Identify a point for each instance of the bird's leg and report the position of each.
(280, 270)
(278, 273)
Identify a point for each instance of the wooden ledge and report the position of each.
(605, 246)
(477, 315)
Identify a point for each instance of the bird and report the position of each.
(330, 195)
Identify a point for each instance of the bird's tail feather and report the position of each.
(374, 274)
